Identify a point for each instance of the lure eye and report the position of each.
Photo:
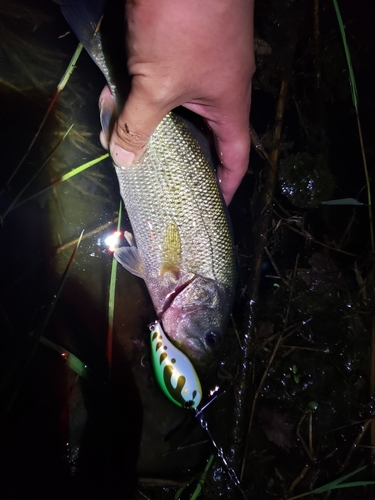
(213, 338)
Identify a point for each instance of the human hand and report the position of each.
(198, 54)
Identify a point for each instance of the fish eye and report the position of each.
(213, 338)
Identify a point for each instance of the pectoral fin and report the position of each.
(171, 252)
(129, 258)
(129, 238)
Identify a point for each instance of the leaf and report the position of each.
(343, 201)
(202, 479)
(336, 484)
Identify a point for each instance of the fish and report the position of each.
(181, 244)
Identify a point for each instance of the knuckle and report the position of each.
(129, 139)
(158, 91)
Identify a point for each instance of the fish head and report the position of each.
(197, 318)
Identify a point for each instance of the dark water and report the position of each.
(66, 436)
(61, 434)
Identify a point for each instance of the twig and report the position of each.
(318, 75)
(258, 146)
(254, 404)
(308, 236)
(302, 474)
(86, 235)
(275, 267)
(235, 330)
(291, 292)
(308, 449)
(300, 117)
(355, 443)
(163, 482)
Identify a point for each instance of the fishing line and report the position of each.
(203, 423)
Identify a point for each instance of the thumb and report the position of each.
(142, 113)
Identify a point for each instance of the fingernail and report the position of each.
(121, 157)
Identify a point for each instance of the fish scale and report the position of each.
(174, 181)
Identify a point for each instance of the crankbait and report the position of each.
(174, 372)
(180, 383)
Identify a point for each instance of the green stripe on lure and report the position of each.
(174, 372)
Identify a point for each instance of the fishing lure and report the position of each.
(174, 372)
(180, 383)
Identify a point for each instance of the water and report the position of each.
(65, 436)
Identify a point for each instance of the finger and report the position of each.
(232, 141)
(145, 108)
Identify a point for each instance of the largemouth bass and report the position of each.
(183, 247)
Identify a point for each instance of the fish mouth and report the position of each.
(184, 321)
(192, 345)
(195, 346)
(173, 295)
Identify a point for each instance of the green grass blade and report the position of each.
(56, 297)
(353, 86)
(80, 169)
(178, 493)
(70, 359)
(200, 484)
(336, 484)
(14, 202)
(14, 378)
(202, 479)
(64, 80)
(65, 177)
(111, 300)
(356, 484)
(59, 88)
